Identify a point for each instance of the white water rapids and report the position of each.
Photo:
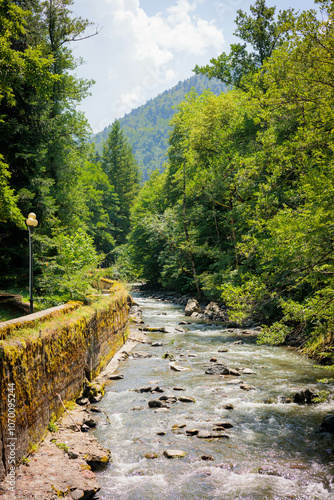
(273, 451)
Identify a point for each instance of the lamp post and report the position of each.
(31, 223)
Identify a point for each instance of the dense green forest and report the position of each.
(242, 212)
(46, 163)
(147, 128)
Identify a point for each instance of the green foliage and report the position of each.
(69, 272)
(261, 32)
(243, 211)
(274, 334)
(62, 446)
(120, 166)
(52, 427)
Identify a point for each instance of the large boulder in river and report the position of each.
(192, 307)
(217, 369)
(305, 397)
(327, 424)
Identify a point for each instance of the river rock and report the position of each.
(217, 369)
(90, 422)
(236, 381)
(140, 354)
(178, 368)
(178, 389)
(204, 434)
(151, 455)
(234, 372)
(186, 399)
(156, 403)
(192, 307)
(168, 399)
(147, 388)
(136, 314)
(115, 376)
(174, 453)
(207, 457)
(192, 432)
(304, 397)
(152, 329)
(223, 349)
(156, 388)
(213, 360)
(247, 387)
(157, 344)
(247, 371)
(228, 407)
(179, 426)
(225, 425)
(327, 425)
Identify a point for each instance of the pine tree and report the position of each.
(119, 164)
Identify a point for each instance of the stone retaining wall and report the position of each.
(37, 366)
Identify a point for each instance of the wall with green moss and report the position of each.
(51, 360)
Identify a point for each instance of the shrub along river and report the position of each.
(240, 436)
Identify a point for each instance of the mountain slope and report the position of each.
(147, 127)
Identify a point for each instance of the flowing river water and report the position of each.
(273, 451)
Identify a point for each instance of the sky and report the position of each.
(145, 47)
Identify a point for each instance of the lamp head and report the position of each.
(32, 221)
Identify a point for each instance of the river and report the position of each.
(273, 450)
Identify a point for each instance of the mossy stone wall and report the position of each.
(54, 361)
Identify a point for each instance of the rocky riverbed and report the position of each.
(193, 412)
(63, 465)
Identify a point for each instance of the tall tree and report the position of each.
(119, 164)
(259, 30)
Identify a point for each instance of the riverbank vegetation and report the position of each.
(242, 213)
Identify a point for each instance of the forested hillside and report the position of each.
(243, 213)
(147, 128)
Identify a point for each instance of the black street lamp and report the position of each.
(31, 223)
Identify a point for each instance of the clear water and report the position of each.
(273, 451)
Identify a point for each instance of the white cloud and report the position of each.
(140, 54)
(159, 37)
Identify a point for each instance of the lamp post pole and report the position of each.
(31, 223)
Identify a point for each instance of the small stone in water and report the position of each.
(147, 388)
(115, 376)
(236, 373)
(248, 371)
(226, 425)
(222, 349)
(161, 433)
(137, 408)
(157, 344)
(155, 403)
(192, 432)
(228, 407)
(178, 389)
(174, 453)
(151, 455)
(246, 387)
(179, 426)
(207, 457)
(185, 399)
(213, 360)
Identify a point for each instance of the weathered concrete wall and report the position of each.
(37, 366)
